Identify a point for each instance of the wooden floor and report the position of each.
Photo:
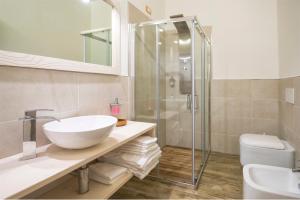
(222, 179)
(176, 164)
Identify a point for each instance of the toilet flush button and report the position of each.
(290, 95)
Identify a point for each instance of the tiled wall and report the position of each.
(68, 93)
(290, 114)
(242, 106)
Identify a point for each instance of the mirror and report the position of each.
(78, 30)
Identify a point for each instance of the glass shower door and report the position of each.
(207, 66)
(175, 63)
(170, 90)
(200, 104)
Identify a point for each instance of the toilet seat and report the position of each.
(263, 141)
(266, 150)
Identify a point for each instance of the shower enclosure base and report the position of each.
(175, 166)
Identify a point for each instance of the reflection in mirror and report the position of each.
(79, 30)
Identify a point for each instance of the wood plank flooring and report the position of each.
(222, 179)
(176, 164)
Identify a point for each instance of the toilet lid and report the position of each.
(264, 141)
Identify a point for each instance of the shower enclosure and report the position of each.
(171, 63)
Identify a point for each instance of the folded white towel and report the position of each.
(144, 140)
(140, 156)
(142, 174)
(131, 160)
(143, 147)
(105, 172)
(138, 150)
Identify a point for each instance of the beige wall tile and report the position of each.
(297, 90)
(238, 108)
(268, 126)
(238, 126)
(25, 89)
(249, 106)
(69, 94)
(287, 114)
(218, 107)
(238, 88)
(218, 88)
(265, 89)
(266, 109)
(11, 138)
(296, 119)
(233, 145)
(218, 125)
(290, 115)
(285, 83)
(218, 142)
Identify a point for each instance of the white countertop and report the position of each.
(19, 178)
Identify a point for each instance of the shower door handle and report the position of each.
(196, 102)
(189, 102)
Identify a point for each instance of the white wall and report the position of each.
(244, 35)
(157, 7)
(289, 37)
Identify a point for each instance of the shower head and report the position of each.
(181, 27)
(184, 50)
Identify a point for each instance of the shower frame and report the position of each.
(195, 26)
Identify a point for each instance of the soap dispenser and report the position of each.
(115, 109)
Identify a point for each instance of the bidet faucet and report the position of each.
(296, 169)
(29, 136)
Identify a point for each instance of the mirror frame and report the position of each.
(119, 27)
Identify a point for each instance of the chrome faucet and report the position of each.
(29, 136)
(296, 170)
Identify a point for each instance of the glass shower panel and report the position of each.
(175, 63)
(199, 108)
(145, 74)
(207, 96)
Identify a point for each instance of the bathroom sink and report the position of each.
(79, 132)
(269, 182)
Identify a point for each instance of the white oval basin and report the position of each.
(269, 182)
(79, 132)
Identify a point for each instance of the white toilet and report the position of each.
(266, 150)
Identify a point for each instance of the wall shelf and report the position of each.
(68, 189)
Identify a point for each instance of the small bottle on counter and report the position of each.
(115, 109)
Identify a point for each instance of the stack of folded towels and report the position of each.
(140, 156)
(105, 172)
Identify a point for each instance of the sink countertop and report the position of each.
(20, 178)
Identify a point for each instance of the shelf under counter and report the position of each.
(68, 189)
(24, 177)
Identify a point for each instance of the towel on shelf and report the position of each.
(140, 145)
(143, 141)
(131, 160)
(141, 175)
(138, 150)
(140, 156)
(105, 172)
